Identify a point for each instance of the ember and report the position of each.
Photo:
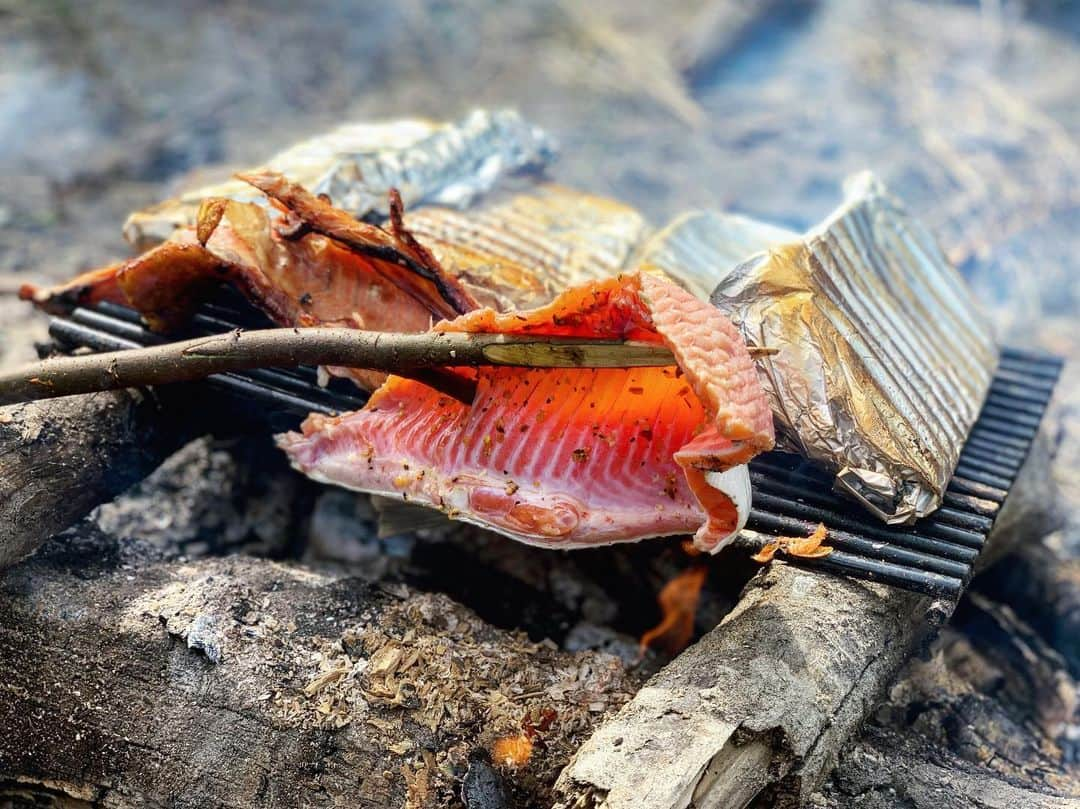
(512, 751)
(515, 750)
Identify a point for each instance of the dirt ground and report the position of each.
(970, 112)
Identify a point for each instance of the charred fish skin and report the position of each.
(570, 457)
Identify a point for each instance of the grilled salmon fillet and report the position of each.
(556, 457)
(568, 458)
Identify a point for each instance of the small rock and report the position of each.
(204, 636)
(483, 787)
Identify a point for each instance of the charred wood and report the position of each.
(61, 458)
(1042, 585)
(886, 770)
(238, 682)
(988, 718)
(764, 703)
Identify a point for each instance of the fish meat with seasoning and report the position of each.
(557, 457)
(568, 458)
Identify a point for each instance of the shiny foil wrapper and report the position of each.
(357, 164)
(884, 357)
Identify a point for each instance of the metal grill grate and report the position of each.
(936, 555)
(791, 496)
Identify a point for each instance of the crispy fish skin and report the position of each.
(567, 458)
(85, 289)
(316, 265)
(306, 281)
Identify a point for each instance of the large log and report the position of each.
(766, 701)
(239, 682)
(61, 458)
(770, 694)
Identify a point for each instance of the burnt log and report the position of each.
(885, 770)
(61, 458)
(1042, 584)
(763, 704)
(986, 719)
(236, 682)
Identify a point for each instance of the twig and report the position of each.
(377, 351)
(405, 354)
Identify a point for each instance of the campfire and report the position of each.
(473, 497)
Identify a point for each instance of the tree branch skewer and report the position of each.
(377, 351)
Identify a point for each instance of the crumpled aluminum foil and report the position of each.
(884, 357)
(356, 164)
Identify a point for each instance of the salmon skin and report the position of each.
(307, 263)
(569, 458)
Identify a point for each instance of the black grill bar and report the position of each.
(768, 521)
(970, 472)
(990, 466)
(991, 461)
(966, 486)
(1047, 367)
(791, 495)
(1035, 384)
(778, 498)
(1016, 392)
(870, 569)
(70, 334)
(1012, 404)
(976, 505)
(819, 483)
(105, 323)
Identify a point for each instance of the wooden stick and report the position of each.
(379, 351)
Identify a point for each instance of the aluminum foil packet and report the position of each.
(884, 356)
(357, 164)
